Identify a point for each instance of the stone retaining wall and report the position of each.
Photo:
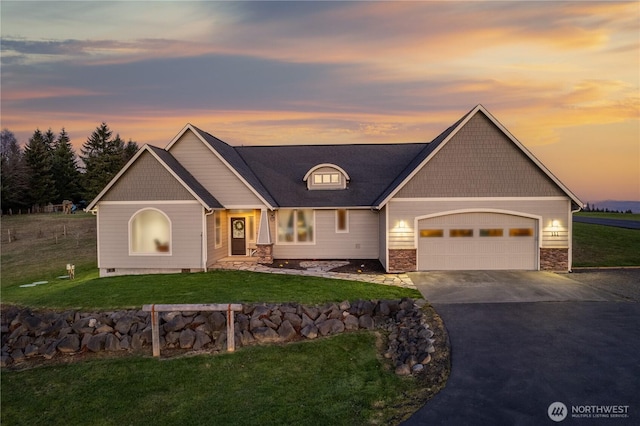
(28, 334)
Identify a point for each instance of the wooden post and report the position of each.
(155, 332)
(9, 232)
(231, 334)
(155, 322)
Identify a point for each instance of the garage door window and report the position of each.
(521, 232)
(461, 233)
(431, 233)
(496, 232)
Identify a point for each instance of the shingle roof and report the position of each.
(186, 177)
(372, 168)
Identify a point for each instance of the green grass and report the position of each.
(623, 216)
(604, 246)
(40, 250)
(336, 381)
(90, 292)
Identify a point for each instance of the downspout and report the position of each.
(204, 236)
(571, 234)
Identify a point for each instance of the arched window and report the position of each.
(150, 233)
(326, 176)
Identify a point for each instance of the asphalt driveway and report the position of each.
(517, 350)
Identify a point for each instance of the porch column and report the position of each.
(264, 244)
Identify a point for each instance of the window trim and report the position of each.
(346, 221)
(295, 229)
(130, 234)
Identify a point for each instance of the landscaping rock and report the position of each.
(187, 338)
(331, 326)
(286, 331)
(69, 344)
(96, 342)
(26, 334)
(265, 335)
(176, 323)
(310, 331)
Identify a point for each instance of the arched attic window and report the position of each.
(326, 176)
(149, 233)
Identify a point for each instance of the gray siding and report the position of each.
(361, 242)
(549, 210)
(212, 173)
(113, 236)
(480, 161)
(147, 180)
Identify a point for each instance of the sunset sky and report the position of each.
(563, 77)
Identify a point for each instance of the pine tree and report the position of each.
(65, 169)
(103, 158)
(13, 173)
(39, 162)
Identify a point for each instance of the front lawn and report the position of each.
(332, 381)
(134, 291)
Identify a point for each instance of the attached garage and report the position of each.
(477, 240)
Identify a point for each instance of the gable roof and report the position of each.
(172, 166)
(229, 156)
(275, 174)
(441, 140)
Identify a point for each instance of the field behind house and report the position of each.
(38, 247)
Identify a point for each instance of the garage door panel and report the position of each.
(493, 248)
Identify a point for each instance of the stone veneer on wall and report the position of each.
(402, 260)
(554, 259)
(264, 253)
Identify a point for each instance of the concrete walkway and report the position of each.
(319, 269)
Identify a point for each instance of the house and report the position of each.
(473, 198)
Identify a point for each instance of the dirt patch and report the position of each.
(355, 266)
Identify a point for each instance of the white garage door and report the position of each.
(476, 241)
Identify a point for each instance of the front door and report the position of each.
(238, 237)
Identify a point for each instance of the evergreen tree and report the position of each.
(49, 139)
(65, 169)
(39, 163)
(13, 173)
(103, 158)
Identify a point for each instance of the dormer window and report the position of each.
(326, 176)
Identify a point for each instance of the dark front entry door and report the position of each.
(238, 236)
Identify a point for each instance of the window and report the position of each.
(218, 229)
(296, 226)
(521, 232)
(431, 233)
(497, 232)
(342, 220)
(461, 233)
(252, 228)
(150, 233)
(326, 178)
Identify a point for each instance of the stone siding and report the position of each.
(402, 260)
(264, 252)
(554, 259)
